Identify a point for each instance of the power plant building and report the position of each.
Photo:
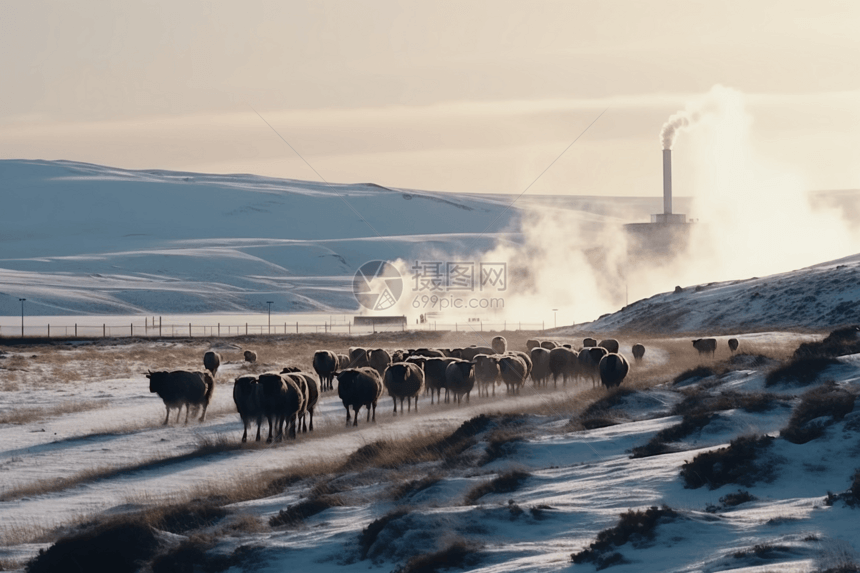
(668, 232)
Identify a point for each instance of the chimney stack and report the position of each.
(667, 181)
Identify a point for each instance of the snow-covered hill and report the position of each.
(819, 297)
(77, 238)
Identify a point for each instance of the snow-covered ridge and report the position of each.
(822, 296)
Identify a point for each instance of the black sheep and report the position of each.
(359, 387)
(248, 396)
(182, 388)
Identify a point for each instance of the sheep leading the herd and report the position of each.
(182, 388)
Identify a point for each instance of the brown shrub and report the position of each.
(739, 463)
(459, 554)
(828, 401)
(635, 527)
(116, 546)
(841, 342)
(801, 371)
(370, 533)
(701, 402)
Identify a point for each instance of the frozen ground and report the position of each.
(578, 481)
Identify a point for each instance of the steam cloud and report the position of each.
(754, 214)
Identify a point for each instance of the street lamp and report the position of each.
(22, 316)
(555, 318)
(270, 303)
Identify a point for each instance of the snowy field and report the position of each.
(83, 440)
(502, 483)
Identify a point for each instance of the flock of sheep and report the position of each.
(287, 399)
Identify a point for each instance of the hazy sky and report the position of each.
(458, 96)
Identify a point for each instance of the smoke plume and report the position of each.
(754, 219)
(670, 129)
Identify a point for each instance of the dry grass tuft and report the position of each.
(296, 514)
(851, 496)
(764, 551)
(689, 424)
(410, 488)
(184, 517)
(27, 415)
(613, 398)
(735, 499)
(694, 374)
(501, 443)
(370, 534)
(428, 447)
(395, 453)
(507, 482)
(194, 554)
(10, 565)
(593, 423)
(247, 523)
(701, 402)
(458, 554)
(731, 500)
(17, 533)
(207, 446)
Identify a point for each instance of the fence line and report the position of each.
(190, 330)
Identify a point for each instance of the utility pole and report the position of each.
(22, 316)
(270, 303)
(555, 317)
